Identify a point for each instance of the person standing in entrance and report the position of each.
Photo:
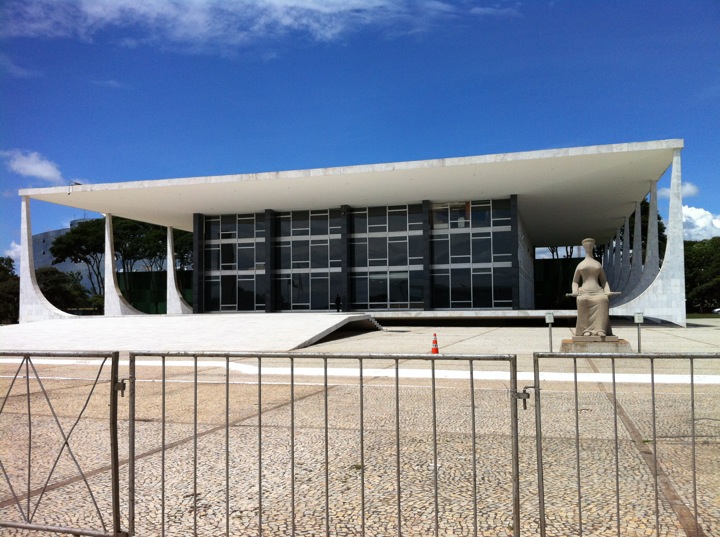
(338, 303)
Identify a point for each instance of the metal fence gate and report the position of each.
(50, 481)
(343, 444)
(635, 452)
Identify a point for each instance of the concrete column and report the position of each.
(663, 295)
(115, 303)
(173, 296)
(33, 304)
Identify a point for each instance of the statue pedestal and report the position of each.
(610, 344)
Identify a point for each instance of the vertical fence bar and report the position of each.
(435, 452)
(397, 446)
(29, 450)
(692, 425)
(162, 452)
(195, 445)
(292, 446)
(538, 446)
(327, 452)
(131, 446)
(655, 453)
(260, 490)
(617, 448)
(474, 447)
(577, 448)
(114, 458)
(227, 445)
(362, 450)
(515, 447)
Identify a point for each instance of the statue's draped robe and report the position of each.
(593, 307)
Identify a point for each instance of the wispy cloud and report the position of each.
(221, 23)
(114, 84)
(688, 190)
(9, 67)
(32, 164)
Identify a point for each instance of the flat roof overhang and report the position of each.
(564, 195)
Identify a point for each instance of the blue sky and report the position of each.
(101, 91)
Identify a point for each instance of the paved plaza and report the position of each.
(439, 463)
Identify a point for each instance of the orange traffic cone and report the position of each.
(435, 345)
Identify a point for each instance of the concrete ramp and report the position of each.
(165, 333)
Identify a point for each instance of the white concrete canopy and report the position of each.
(564, 195)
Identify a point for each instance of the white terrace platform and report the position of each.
(165, 333)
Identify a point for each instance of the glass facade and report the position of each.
(374, 258)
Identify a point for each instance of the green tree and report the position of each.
(84, 243)
(9, 291)
(702, 275)
(62, 289)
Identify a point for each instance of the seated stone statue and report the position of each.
(592, 290)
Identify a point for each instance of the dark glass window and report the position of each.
(482, 290)
(212, 259)
(502, 242)
(301, 288)
(377, 248)
(377, 288)
(212, 294)
(301, 254)
(359, 222)
(441, 250)
(397, 253)
(319, 295)
(501, 211)
(377, 219)
(284, 291)
(246, 228)
(481, 216)
(335, 220)
(440, 218)
(417, 287)
(481, 252)
(359, 250)
(228, 226)
(441, 290)
(246, 257)
(319, 224)
(229, 292)
(461, 290)
(399, 287)
(284, 257)
(212, 228)
(415, 216)
(246, 295)
(319, 256)
(460, 247)
(283, 225)
(397, 220)
(415, 248)
(502, 283)
(460, 215)
(300, 223)
(360, 289)
(227, 256)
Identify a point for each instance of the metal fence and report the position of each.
(345, 444)
(43, 459)
(638, 444)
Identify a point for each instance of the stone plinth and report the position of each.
(595, 344)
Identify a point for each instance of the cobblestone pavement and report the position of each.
(202, 502)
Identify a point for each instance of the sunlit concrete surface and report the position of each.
(164, 333)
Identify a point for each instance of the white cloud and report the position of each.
(33, 164)
(13, 251)
(14, 70)
(700, 224)
(687, 190)
(202, 24)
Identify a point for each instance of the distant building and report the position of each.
(453, 235)
(43, 258)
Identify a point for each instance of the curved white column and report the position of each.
(115, 303)
(33, 304)
(663, 297)
(175, 302)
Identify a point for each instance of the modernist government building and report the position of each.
(454, 237)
